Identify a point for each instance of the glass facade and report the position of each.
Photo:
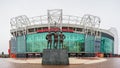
(36, 42)
(107, 45)
(21, 45)
(89, 44)
(13, 45)
(97, 44)
(74, 42)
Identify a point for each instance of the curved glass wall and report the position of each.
(13, 45)
(107, 45)
(89, 44)
(21, 46)
(37, 42)
(74, 42)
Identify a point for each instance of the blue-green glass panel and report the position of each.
(89, 44)
(74, 42)
(36, 42)
(97, 44)
(21, 47)
(106, 45)
(13, 44)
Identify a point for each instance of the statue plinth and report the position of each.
(55, 57)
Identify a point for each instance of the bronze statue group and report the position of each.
(57, 38)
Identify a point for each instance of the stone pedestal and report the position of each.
(55, 57)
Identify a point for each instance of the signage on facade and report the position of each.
(55, 29)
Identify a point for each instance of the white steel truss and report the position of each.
(91, 26)
(20, 22)
(90, 22)
(55, 18)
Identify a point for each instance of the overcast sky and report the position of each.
(107, 10)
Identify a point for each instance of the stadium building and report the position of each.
(83, 36)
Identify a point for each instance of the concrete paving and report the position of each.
(71, 60)
(110, 63)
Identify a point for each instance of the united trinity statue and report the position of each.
(55, 38)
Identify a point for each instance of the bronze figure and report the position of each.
(55, 40)
(62, 37)
(49, 39)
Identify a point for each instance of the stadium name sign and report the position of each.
(55, 29)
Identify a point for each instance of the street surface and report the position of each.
(110, 63)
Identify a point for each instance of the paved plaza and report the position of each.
(26, 63)
(71, 60)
